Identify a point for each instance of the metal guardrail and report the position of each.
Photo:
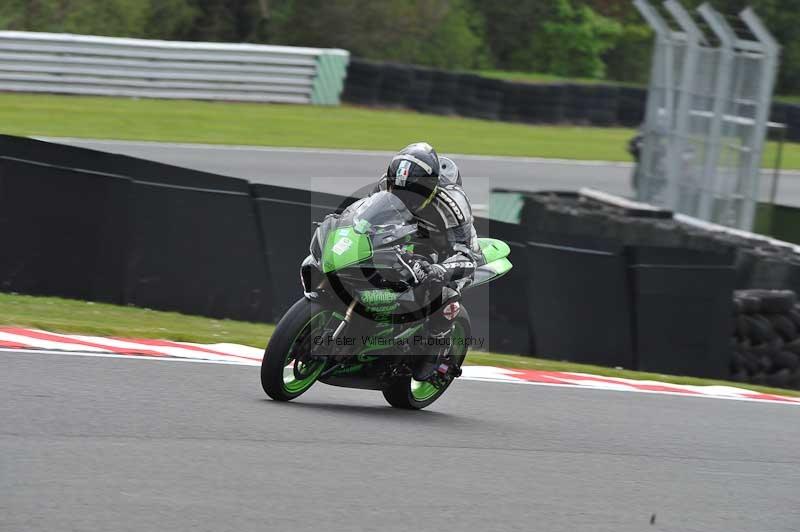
(110, 66)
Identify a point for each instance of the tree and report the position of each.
(587, 38)
(573, 40)
(510, 28)
(430, 32)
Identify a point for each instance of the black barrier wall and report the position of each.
(500, 310)
(64, 232)
(638, 292)
(102, 226)
(683, 301)
(175, 239)
(444, 92)
(123, 230)
(580, 300)
(286, 219)
(195, 247)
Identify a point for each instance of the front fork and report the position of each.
(331, 341)
(348, 315)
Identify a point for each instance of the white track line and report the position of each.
(327, 151)
(471, 373)
(333, 151)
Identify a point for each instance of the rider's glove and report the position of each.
(420, 269)
(436, 274)
(425, 272)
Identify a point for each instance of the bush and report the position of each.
(573, 42)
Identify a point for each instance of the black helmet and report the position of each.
(413, 175)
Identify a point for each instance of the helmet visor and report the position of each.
(414, 198)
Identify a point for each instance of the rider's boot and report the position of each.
(438, 361)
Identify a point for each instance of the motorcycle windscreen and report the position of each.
(344, 247)
(384, 218)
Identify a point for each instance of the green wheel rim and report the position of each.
(291, 383)
(422, 391)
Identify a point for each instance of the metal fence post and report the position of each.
(681, 183)
(769, 70)
(707, 112)
(724, 78)
(660, 106)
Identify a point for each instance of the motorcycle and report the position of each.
(362, 321)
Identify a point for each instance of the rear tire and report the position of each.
(282, 377)
(409, 394)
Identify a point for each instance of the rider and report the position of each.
(430, 187)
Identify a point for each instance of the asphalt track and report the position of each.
(343, 171)
(113, 444)
(132, 445)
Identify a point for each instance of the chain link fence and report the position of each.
(707, 109)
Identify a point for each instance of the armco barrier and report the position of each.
(110, 66)
(65, 231)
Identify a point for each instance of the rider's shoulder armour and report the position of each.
(452, 204)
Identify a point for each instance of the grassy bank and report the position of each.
(306, 126)
(539, 78)
(70, 316)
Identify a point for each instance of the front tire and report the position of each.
(285, 373)
(409, 394)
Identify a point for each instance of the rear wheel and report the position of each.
(287, 370)
(405, 392)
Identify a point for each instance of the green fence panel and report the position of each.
(505, 206)
(329, 80)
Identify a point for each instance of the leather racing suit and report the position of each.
(446, 234)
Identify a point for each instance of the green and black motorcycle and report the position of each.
(362, 321)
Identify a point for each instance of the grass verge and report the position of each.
(101, 319)
(344, 127)
(539, 78)
(71, 316)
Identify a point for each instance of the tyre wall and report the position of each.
(766, 338)
(426, 90)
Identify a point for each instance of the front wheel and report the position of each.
(287, 371)
(407, 393)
